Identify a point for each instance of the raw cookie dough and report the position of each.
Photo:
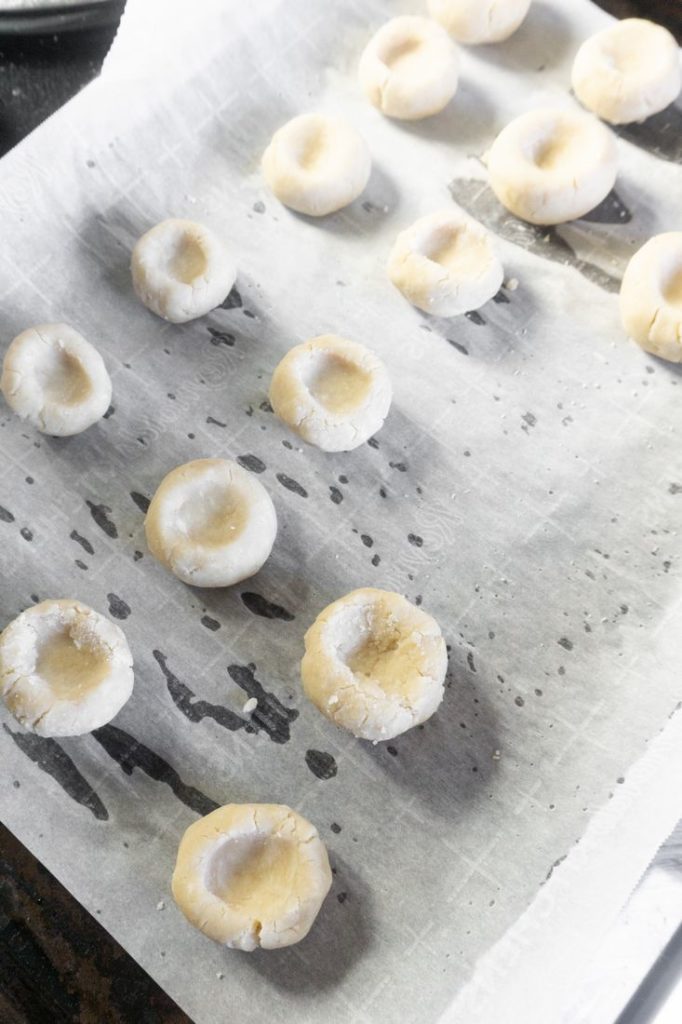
(374, 664)
(409, 68)
(479, 21)
(317, 164)
(181, 270)
(334, 393)
(651, 296)
(55, 379)
(211, 523)
(628, 71)
(445, 264)
(552, 165)
(64, 668)
(252, 875)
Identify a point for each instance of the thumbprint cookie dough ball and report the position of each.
(317, 164)
(374, 664)
(64, 668)
(628, 71)
(651, 296)
(479, 21)
(409, 69)
(445, 264)
(211, 523)
(252, 876)
(552, 165)
(55, 379)
(333, 393)
(181, 270)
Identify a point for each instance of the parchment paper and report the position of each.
(526, 488)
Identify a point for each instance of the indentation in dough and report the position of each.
(620, 52)
(70, 669)
(212, 517)
(333, 392)
(62, 377)
(316, 164)
(374, 647)
(628, 71)
(461, 252)
(211, 522)
(55, 379)
(374, 664)
(400, 51)
(550, 165)
(409, 68)
(250, 872)
(185, 258)
(445, 264)
(252, 875)
(64, 669)
(555, 150)
(181, 270)
(338, 384)
(672, 286)
(313, 146)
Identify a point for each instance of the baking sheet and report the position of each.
(526, 488)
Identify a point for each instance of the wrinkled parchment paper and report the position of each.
(526, 487)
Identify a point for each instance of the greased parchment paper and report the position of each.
(526, 488)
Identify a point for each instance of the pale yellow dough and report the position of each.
(64, 668)
(55, 379)
(211, 523)
(316, 164)
(445, 264)
(374, 664)
(252, 875)
(553, 165)
(333, 392)
(409, 69)
(181, 270)
(651, 296)
(628, 71)
(479, 21)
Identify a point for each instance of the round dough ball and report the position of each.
(445, 264)
(211, 523)
(333, 393)
(628, 71)
(55, 379)
(181, 270)
(409, 68)
(553, 165)
(64, 668)
(252, 875)
(479, 21)
(317, 164)
(374, 664)
(651, 296)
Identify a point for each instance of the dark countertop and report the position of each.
(57, 963)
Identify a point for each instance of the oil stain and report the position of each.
(252, 463)
(478, 200)
(271, 716)
(292, 485)
(83, 541)
(258, 605)
(52, 759)
(129, 753)
(101, 513)
(118, 607)
(321, 764)
(141, 500)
